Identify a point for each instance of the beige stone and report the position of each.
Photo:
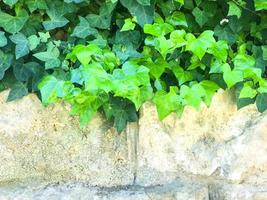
(219, 142)
(216, 153)
(237, 192)
(82, 192)
(47, 144)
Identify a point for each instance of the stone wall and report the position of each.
(216, 153)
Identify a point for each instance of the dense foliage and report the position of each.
(113, 55)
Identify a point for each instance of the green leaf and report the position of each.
(196, 63)
(25, 71)
(264, 50)
(83, 29)
(182, 75)
(263, 86)
(261, 102)
(180, 1)
(167, 102)
(163, 46)
(36, 4)
(234, 9)
(243, 61)
(99, 21)
(192, 95)
(3, 40)
(99, 41)
(244, 102)
(33, 41)
(144, 2)
(10, 2)
(123, 112)
(232, 77)
(50, 89)
(124, 52)
(5, 63)
(177, 19)
(178, 38)
(225, 33)
(128, 25)
(44, 36)
(86, 106)
(84, 53)
(77, 76)
(96, 78)
(13, 24)
(80, 1)
(210, 88)
(17, 91)
(247, 91)
(157, 68)
(143, 13)
(200, 16)
(200, 45)
(218, 66)
(50, 58)
(56, 19)
(219, 50)
(260, 4)
(103, 20)
(22, 45)
(132, 82)
(158, 29)
(44, 56)
(129, 38)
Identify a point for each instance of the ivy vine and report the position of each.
(111, 56)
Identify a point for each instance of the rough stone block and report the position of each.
(219, 142)
(47, 144)
(176, 191)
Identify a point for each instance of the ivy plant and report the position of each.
(111, 56)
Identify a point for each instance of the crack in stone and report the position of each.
(132, 139)
(247, 126)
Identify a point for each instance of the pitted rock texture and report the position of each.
(218, 142)
(237, 192)
(176, 191)
(215, 153)
(46, 144)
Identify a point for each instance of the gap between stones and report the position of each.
(133, 141)
(182, 178)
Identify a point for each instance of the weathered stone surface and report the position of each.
(218, 142)
(176, 191)
(38, 144)
(237, 192)
(216, 153)
(173, 191)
